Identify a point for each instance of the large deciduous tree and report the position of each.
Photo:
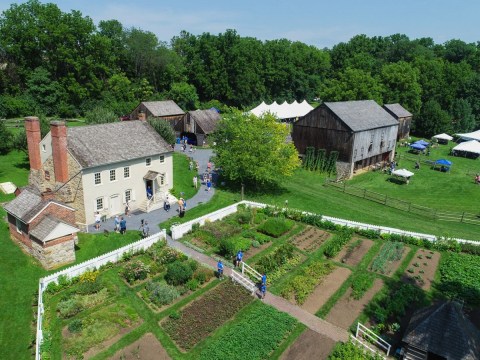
(253, 150)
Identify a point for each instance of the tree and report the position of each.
(463, 119)
(432, 120)
(100, 115)
(164, 129)
(5, 139)
(253, 150)
(184, 95)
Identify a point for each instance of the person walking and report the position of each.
(184, 204)
(116, 222)
(239, 258)
(166, 204)
(123, 225)
(98, 219)
(220, 269)
(146, 230)
(209, 184)
(264, 279)
(195, 181)
(127, 209)
(263, 291)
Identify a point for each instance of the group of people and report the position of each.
(182, 206)
(120, 224)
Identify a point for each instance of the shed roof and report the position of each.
(102, 144)
(361, 115)
(397, 110)
(163, 108)
(25, 204)
(206, 119)
(442, 329)
(51, 228)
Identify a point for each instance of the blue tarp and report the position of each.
(421, 142)
(417, 146)
(443, 162)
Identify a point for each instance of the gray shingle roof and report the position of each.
(45, 227)
(206, 119)
(163, 108)
(26, 204)
(361, 115)
(443, 330)
(397, 110)
(102, 144)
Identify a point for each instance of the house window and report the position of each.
(99, 203)
(98, 178)
(18, 224)
(44, 147)
(113, 175)
(148, 161)
(162, 158)
(128, 195)
(126, 172)
(47, 175)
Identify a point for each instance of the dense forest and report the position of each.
(62, 64)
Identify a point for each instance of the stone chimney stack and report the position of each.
(59, 150)
(32, 129)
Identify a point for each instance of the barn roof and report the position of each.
(103, 144)
(361, 115)
(163, 108)
(206, 119)
(397, 110)
(442, 329)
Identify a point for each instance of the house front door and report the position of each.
(115, 204)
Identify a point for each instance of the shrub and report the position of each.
(244, 215)
(229, 247)
(89, 287)
(75, 326)
(276, 226)
(203, 275)
(155, 251)
(160, 293)
(175, 315)
(193, 264)
(337, 242)
(169, 256)
(69, 307)
(89, 276)
(276, 259)
(192, 284)
(361, 283)
(135, 270)
(369, 234)
(178, 273)
(195, 227)
(255, 244)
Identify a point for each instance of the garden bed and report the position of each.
(389, 258)
(330, 284)
(203, 316)
(421, 270)
(347, 309)
(310, 239)
(145, 348)
(354, 251)
(309, 345)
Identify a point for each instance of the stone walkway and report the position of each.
(156, 217)
(311, 321)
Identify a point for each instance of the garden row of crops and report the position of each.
(391, 251)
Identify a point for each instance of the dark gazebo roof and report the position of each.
(444, 330)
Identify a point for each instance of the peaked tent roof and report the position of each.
(284, 110)
(361, 115)
(471, 146)
(402, 173)
(470, 136)
(206, 119)
(163, 108)
(51, 228)
(103, 144)
(397, 110)
(443, 136)
(443, 330)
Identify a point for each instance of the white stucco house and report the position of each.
(100, 167)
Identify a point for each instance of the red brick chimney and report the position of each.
(59, 150)
(32, 129)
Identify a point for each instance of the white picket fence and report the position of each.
(76, 270)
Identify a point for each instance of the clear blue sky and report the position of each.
(320, 23)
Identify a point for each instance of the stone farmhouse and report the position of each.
(43, 227)
(362, 132)
(100, 167)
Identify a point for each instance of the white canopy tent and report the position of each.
(471, 146)
(470, 136)
(443, 137)
(403, 173)
(284, 110)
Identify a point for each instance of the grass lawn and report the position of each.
(14, 167)
(452, 191)
(183, 177)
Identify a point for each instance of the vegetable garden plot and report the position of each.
(354, 251)
(421, 270)
(310, 239)
(147, 347)
(203, 316)
(389, 258)
(309, 345)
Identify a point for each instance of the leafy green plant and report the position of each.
(135, 270)
(160, 293)
(361, 282)
(349, 350)
(411, 270)
(230, 246)
(337, 242)
(178, 273)
(75, 326)
(276, 226)
(391, 251)
(272, 261)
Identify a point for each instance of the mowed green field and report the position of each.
(449, 191)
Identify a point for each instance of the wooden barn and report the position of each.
(166, 110)
(404, 118)
(362, 132)
(197, 125)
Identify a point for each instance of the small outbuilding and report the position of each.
(197, 125)
(165, 110)
(404, 118)
(440, 332)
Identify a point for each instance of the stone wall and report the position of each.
(56, 253)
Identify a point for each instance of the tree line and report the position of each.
(62, 64)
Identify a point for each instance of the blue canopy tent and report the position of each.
(419, 147)
(421, 142)
(444, 164)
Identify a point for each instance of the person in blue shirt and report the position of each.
(263, 291)
(239, 257)
(149, 192)
(220, 269)
(123, 225)
(264, 279)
